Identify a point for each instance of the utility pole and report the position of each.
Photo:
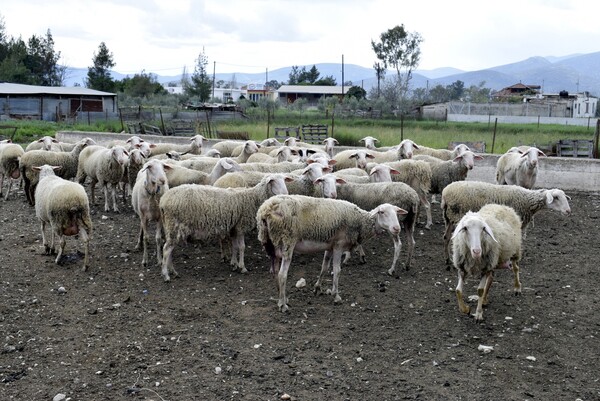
(342, 76)
(214, 69)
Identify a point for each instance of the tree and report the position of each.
(327, 81)
(42, 61)
(356, 92)
(380, 74)
(142, 85)
(478, 93)
(399, 49)
(456, 90)
(273, 84)
(200, 85)
(98, 76)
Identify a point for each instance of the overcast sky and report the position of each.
(163, 36)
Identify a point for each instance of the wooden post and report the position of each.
(596, 139)
(494, 136)
(401, 127)
(121, 118)
(268, 122)
(208, 124)
(332, 122)
(162, 122)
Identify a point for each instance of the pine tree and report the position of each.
(99, 77)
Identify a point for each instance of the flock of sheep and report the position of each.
(300, 197)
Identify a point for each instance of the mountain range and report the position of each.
(573, 73)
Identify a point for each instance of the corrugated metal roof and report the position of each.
(20, 89)
(313, 89)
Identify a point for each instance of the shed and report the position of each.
(312, 93)
(53, 103)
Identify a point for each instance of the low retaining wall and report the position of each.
(566, 173)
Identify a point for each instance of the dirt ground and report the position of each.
(118, 332)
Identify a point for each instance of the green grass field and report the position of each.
(349, 131)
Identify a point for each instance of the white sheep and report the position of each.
(361, 157)
(44, 143)
(443, 154)
(517, 167)
(295, 223)
(444, 172)
(106, 167)
(482, 242)
(136, 162)
(213, 153)
(194, 147)
(68, 162)
(226, 148)
(249, 148)
(329, 144)
(150, 186)
(368, 196)
(10, 155)
(283, 167)
(178, 175)
(369, 142)
(129, 144)
(462, 196)
(64, 205)
(416, 173)
(201, 211)
(277, 155)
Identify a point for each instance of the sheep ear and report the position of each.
(458, 228)
(289, 178)
(415, 145)
(540, 153)
(488, 230)
(369, 156)
(401, 211)
(335, 141)
(332, 162)
(549, 197)
(361, 140)
(353, 156)
(477, 157)
(457, 159)
(56, 168)
(340, 181)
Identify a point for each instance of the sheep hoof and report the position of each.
(390, 272)
(428, 226)
(517, 293)
(363, 260)
(167, 278)
(243, 270)
(337, 300)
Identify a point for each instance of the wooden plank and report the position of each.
(575, 148)
(233, 135)
(314, 133)
(286, 132)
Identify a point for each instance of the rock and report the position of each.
(62, 290)
(485, 348)
(301, 283)
(218, 370)
(59, 397)
(286, 396)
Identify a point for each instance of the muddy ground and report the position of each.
(118, 332)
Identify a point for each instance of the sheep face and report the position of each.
(329, 181)
(406, 149)
(120, 155)
(472, 228)
(467, 158)
(531, 155)
(361, 157)
(155, 180)
(385, 217)
(557, 200)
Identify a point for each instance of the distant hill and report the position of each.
(574, 73)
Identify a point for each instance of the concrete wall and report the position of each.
(581, 122)
(576, 174)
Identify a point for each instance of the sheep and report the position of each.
(518, 167)
(64, 205)
(369, 142)
(280, 154)
(150, 186)
(444, 172)
(283, 167)
(44, 143)
(213, 153)
(368, 196)
(67, 160)
(443, 154)
(106, 167)
(329, 144)
(484, 241)
(131, 143)
(178, 175)
(226, 148)
(249, 148)
(194, 147)
(297, 223)
(358, 157)
(201, 211)
(136, 162)
(10, 154)
(416, 173)
(462, 196)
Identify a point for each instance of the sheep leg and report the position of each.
(482, 291)
(47, 249)
(347, 256)
(239, 247)
(2, 186)
(9, 186)
(318, 289)
(158, 239)
(143, 240)
(397, 249)
(62, 241)
(410, 245)
(447, 236)
(86, 247)
(337, 268)
(462, 306)
(433, 200)
(515, 269)
(282, 281)
(361, 254)
(167, 259)
(93, 190)
(113, 191)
